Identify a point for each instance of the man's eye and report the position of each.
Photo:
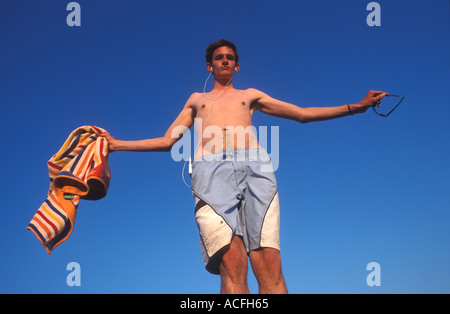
(221, 56)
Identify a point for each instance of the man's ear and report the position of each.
(237, 67)
(209, 67)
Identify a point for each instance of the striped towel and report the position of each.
(79, 170)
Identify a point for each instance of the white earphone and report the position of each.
(211, 69)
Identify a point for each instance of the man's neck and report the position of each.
(221, 85)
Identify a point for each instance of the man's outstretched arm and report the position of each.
(278, 108)
(159, 144)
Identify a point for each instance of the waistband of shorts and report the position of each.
(240, 154)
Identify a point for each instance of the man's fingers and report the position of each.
(373, 98)
(380, 94)
(107, 136)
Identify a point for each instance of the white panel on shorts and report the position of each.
(214, 231)
(270, 233)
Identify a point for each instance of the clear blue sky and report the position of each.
(355, 190)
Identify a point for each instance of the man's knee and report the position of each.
(266, 265)
(266, 262)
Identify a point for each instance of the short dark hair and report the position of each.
(220, 43)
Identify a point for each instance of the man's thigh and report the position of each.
(234, 259)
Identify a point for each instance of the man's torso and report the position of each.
(228, 125)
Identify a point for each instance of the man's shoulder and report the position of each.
(254, 91)
(193, 98)
(195, 95)
(251, 90)
(254, 94)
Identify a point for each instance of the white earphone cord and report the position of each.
(206, 122)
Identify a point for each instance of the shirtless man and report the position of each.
(235, 223)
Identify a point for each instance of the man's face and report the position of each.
(223, 62)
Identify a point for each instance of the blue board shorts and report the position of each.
(236, 194)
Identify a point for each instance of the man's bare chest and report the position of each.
(227, 107)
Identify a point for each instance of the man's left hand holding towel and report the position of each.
(79, 170)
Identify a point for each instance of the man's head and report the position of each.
(220, 43)
(220, 55)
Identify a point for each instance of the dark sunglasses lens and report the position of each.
(387, 105)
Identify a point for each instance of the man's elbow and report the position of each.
(167, 144)
(166, 148)
(303, 119)
(303, 116)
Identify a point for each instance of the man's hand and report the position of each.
(372, 98)
(111, 141)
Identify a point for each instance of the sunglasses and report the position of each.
(385, 115)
